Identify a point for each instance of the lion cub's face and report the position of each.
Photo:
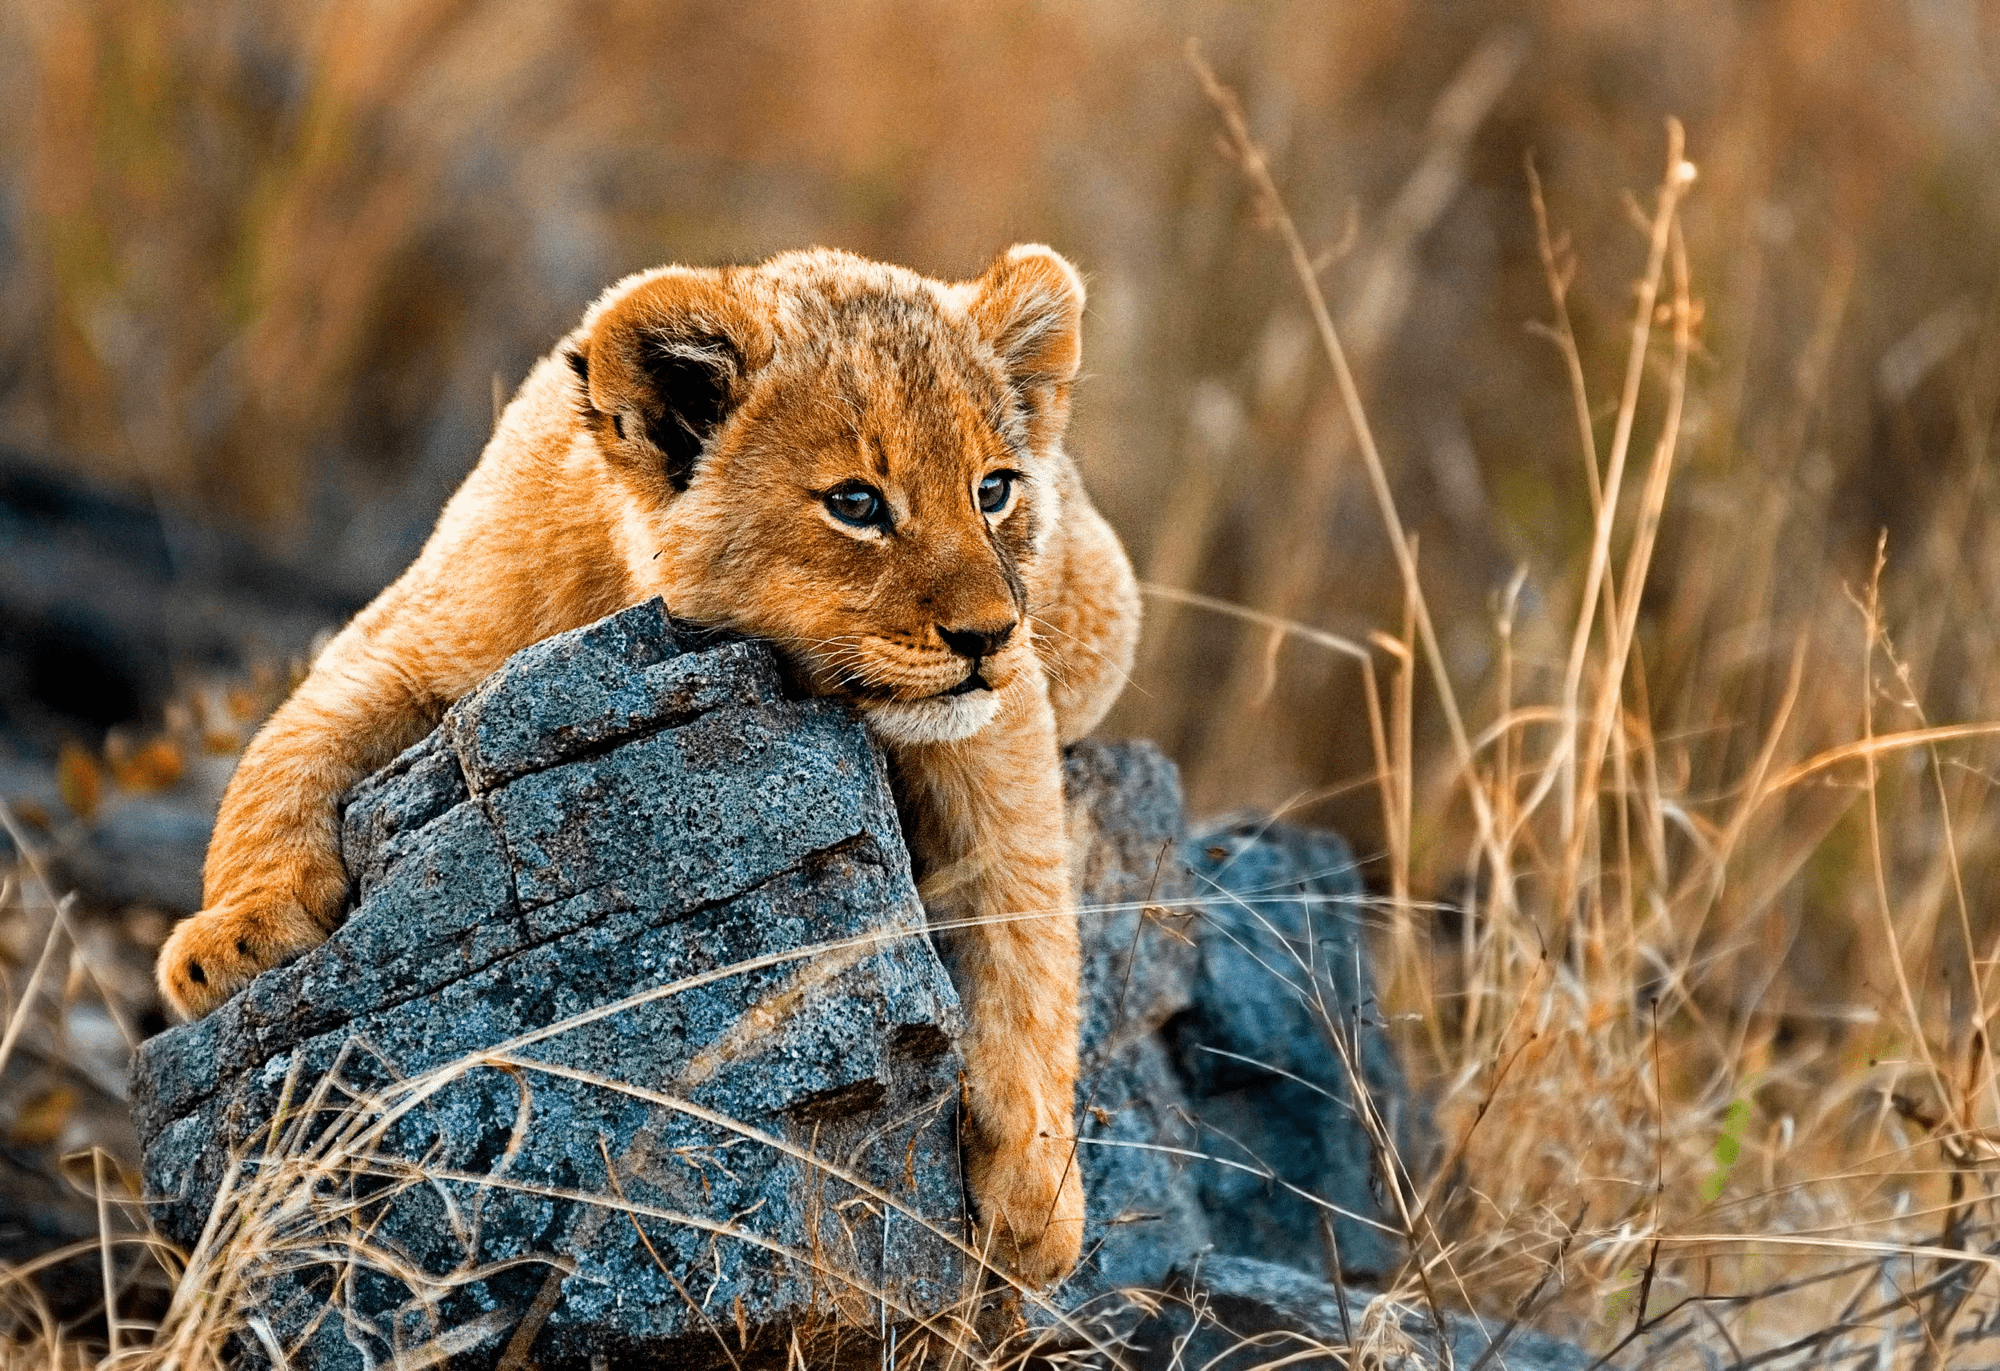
(852, 460)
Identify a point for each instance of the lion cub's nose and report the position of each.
(977, 640)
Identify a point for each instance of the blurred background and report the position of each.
(266, 272)
(265, 269)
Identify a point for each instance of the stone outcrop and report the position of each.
(633, 1044)
(108, 600)
(608, 821)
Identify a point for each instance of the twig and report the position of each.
(1526, 1307)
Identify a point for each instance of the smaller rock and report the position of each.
(1130, 870)
(131, 848)
(1282, 1025)
(146, 849)
(1238, 1314)
(107, 602)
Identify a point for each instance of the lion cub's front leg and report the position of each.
(273, 882)
(988, 834)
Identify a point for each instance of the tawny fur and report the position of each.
(685, 442)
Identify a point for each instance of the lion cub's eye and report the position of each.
(856, 504)
(994, 490)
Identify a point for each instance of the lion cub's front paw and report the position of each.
(215, 953)
(1031, 1207)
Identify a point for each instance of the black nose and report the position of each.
(976, 642)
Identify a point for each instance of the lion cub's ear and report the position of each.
(663, 366)
(1029, 307)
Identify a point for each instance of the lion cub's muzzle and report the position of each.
(965, 706)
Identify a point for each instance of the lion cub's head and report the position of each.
(862, 464)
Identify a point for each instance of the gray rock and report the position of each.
(106, 602)
(1142, 1208)
(145, 848)
(1283, 1027)
(1211, 1062)
(552, 884)
(1234, 1314)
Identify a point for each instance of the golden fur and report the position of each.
(710, 436)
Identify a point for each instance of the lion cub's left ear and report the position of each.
(1029, 308)
(666, 359)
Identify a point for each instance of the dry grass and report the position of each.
(1634, 1095)
(1677, 779)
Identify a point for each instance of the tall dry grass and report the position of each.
(1660, 1125)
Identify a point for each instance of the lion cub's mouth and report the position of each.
(946, 717)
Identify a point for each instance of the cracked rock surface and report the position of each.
(1281, 1024)
(633, 1045)
(608, 819)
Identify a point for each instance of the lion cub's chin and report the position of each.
(939, 719)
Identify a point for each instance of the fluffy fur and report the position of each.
(711, 436)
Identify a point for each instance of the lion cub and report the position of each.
(864, 466)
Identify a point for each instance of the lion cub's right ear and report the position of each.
(663, 365)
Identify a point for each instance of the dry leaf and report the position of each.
(42, 1119)
(79, 780)
(155, 766)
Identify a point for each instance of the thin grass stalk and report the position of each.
(1608, 712)
(1406, 764)
(61, 905)
(106, 1266)
(1679, 177)
(1255, 166)
(1556, 275)
(1920, 1040)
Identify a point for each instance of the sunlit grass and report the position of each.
(1692, 1153)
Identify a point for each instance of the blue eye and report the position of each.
(994, 490)
(856, 504)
